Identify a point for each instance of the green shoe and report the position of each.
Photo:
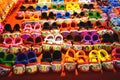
(9, 59)
(97, 15)
(2, 57)
(61, 7)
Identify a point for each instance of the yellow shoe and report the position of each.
(93, 56)
(103, 55)
(94, 60)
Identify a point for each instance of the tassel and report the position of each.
(10, 74)
(101, 71)
(63, 72)
(76, 72)
(114, 71)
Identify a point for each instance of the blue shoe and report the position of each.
(38, 8)
(44, 8)
(67, 15)
(107, 9)
(31, 56)
(54, 1)
(59, 15)
(21, 58)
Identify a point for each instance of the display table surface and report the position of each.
(69, 76)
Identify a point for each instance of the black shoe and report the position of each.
(46, 26)
(46, 57)
(16, 27)
(44, 15)
(57, 56)
(8, 28)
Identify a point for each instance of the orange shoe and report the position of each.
(82, 61)
(69, 60)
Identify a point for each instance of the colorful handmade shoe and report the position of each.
(44, 8)
(5, 70)
(51, 15)
(106, 60)
(10, 41)
(38, 8)
(76, 6)
(56, 61)
(49, 39)
(45, 29)
(27, 28)
(82, 61)
(55, 28)
(73, 26)
(19, 69)
(14, 49)
(88, 6)
(106, 9)
(32, 65)
(58, 39)
(36, 15)
(54, 6)
(30, 8)
(116, 57)
(37, 28)
(61, 7)
(7, 28)
(69, 60)
(16, 28)
(31, 57)
(92, 14)
(54, 1)
(68, 6)
(46, 57)
(66, 15)
(44, 15)
(21, 58)
(65, 25)
(20, 15)
(22, 8)
(76, 42)
(6, 63)
(44, 67)
(87, 39)
(94, 60)
(27, 15)
(59, 15)
(9, 59)
(2, 57)
(106, 38)
(95, 38)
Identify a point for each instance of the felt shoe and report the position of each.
(56, 65)
(32, 65)
(95, 61)
(44, 67)
(82, 61)
(69, 60)
(106, 59)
